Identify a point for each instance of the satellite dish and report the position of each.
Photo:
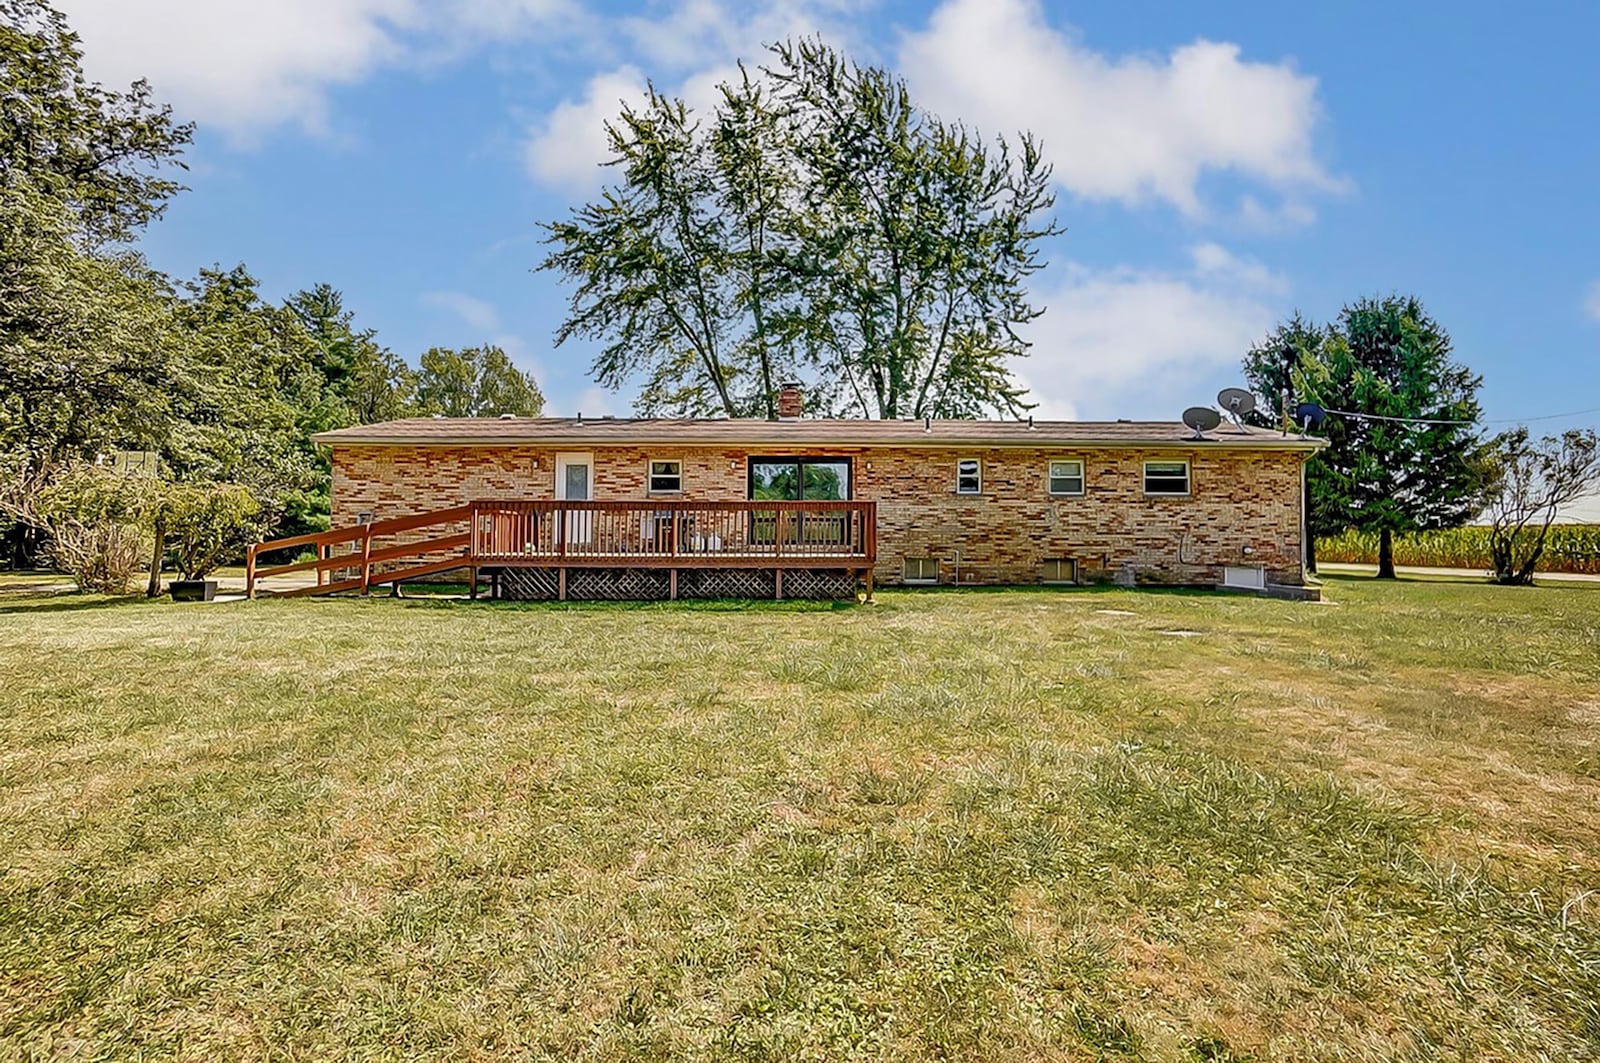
(1202, 419)
(1309, 416)
(1237, 401)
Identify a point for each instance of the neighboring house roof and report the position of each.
(802, 432)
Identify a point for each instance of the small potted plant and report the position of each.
(204, 524)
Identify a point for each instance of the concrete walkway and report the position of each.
(1336, 568)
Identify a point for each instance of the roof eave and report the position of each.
(1305, 443)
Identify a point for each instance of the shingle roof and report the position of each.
(805, 431)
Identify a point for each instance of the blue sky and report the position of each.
(1219, 164)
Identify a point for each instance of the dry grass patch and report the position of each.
(968, 825)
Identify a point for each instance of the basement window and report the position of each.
(1066, 477)
(1058, 570)
(1166, 477)
(969, 477)
(666, 477)
(920, 570)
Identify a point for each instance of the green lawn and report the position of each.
(976, 825)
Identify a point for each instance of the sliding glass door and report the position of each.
(800, 480)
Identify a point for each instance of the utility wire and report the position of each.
(1492, 420)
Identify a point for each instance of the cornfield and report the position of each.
(1568, 548)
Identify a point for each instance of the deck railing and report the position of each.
(676, 534)
(575, 534)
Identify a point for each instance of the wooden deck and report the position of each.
(492, 537)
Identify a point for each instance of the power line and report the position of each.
(1491, 420)
(1397, 420)
(1541, 417)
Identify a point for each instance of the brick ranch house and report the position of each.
(657, 508)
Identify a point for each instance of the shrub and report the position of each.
(98, 523)
(206, 524)
(101, 557)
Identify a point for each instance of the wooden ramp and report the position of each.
(752, 544)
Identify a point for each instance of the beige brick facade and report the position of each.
(1244, 505)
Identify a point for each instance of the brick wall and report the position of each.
(1243, 506)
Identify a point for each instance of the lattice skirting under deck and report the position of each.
(652, 584)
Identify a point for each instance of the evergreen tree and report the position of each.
(1405, 452)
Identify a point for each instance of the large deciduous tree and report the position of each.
(252, 395)
(815, 225)
(917, 239)
(98, 152)
(475, 382)
(86, 346)
(83, 346)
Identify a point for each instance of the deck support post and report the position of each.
(672, 584)
(561, 582)
(366, 563)
(472, 590)
(869, 586)
(778, 586)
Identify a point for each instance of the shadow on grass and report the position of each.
(449, 596)
(682, 605)
(66, 602)
(1409, 577)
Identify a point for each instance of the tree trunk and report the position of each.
(1386, 554)
(153, 589)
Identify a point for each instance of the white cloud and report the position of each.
(595, 401)
(691, 48)
(483, 319)
(1130, 128)
(1139, 342)
(1591, 301)
(1286, 217)
(477, 313)
(246, 66)
(696, 34)
(1216, 263)
(568, 147)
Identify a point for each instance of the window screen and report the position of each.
(1066, 477)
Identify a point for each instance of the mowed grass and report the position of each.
(968, 825)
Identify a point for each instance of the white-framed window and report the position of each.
(1066, 477)
(666, 477)
(1058, 570)
(969, 477)
(919, 569)
(1166, 477)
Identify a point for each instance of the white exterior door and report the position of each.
(575, 483)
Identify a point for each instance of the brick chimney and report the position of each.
(790, 404)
